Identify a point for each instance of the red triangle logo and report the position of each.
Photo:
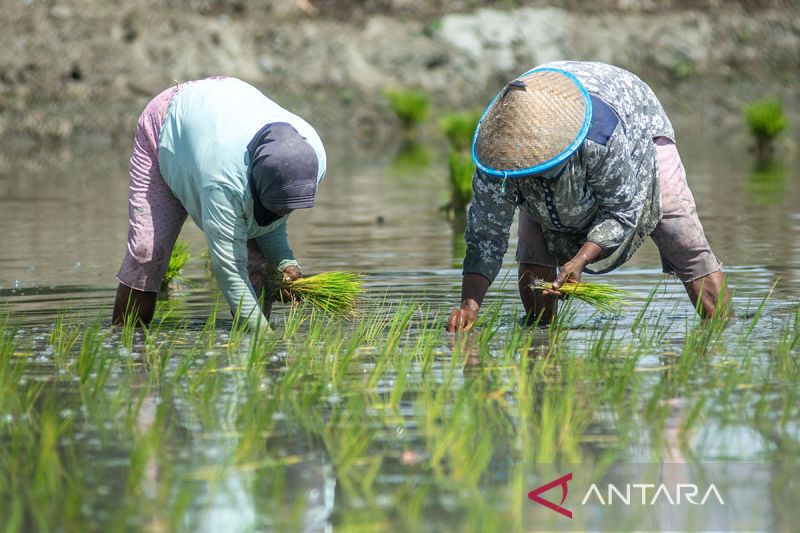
(562, 481)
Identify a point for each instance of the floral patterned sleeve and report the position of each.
(488, 225)
(618, 190)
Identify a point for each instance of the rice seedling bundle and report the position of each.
(461, 171)
(606, 299)
(765, 118)
(177, 260)
(335, 292)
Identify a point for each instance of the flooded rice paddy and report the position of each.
(385, 422)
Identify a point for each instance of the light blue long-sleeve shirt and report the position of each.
(203, 156)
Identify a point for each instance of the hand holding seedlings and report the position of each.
(330, 292)
(290, 274)
(606, 299)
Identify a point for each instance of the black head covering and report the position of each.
(282, 173)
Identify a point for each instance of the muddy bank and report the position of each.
(80, 71)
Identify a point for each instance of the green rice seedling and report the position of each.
(342, 361)
(789, 337)
(204, 343)
(348, 438)
(320, 327)
(333, 293)
(462, 444)
(488, 324)
(398, 327)
(11, 364)
(643, 310)
(560, 327)
(177, 260)
(295, 319)
(410, 106)
(552, 411)
(254, 419)
(17, 400)
(130, 321)
(697, 349)
(372, 325)
(459, 128)
(90, 352)
(41, 487)
(619, 387)
(604, 344)
(766, 121)
(412, 498)
(157, 349)
(63, 338)
(791, 407)
(606, 299)
(8, 339)
(427, 345)
(694, 415)
(756, 316)
(461, 170)
(261, 346)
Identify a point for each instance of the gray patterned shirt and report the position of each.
(607, 193)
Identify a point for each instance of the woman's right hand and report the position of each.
(462, 319)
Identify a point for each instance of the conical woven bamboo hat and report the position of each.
(533, 124)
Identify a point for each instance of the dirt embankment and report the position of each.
(80, 70)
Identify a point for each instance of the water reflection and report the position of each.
(766, 183)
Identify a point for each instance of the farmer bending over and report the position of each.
(588, 155)
(237, 163)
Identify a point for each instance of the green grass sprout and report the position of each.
(459, 128)
(766, 121)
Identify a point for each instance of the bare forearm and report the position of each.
(589, 252)
(473, 290)
(573, 269)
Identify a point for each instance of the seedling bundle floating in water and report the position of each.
(606, 299)
(332, 292)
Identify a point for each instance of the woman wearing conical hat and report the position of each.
(587, 154)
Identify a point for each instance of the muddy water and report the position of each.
(63, 220)
(62, 235)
